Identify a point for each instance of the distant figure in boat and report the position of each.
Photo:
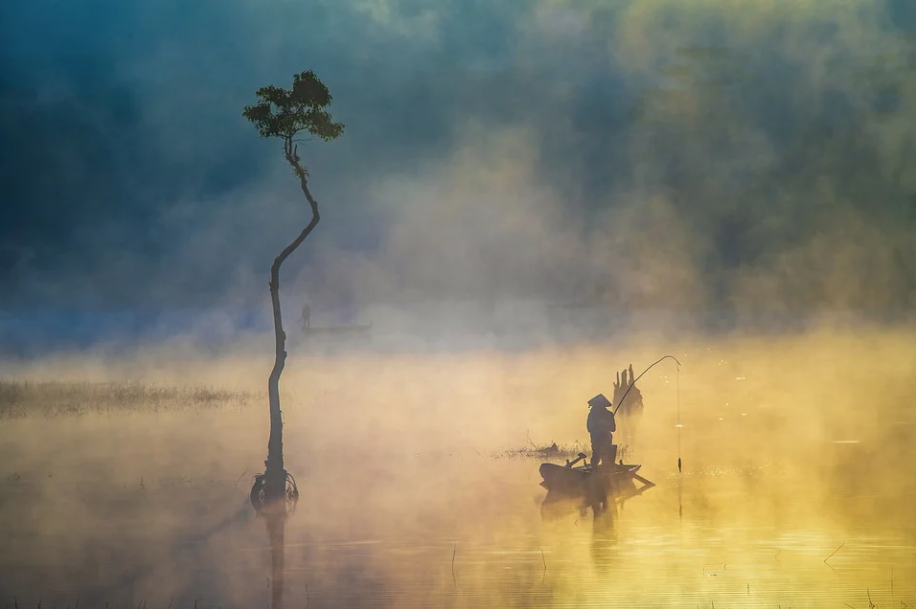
(601, 426)
(306, 316)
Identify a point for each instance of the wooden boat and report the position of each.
(339, 331)
(601, 488)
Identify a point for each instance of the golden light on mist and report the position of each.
(405, 458)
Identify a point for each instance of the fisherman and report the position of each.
(601, 426)
(306, 316)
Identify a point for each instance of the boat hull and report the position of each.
(582, 487)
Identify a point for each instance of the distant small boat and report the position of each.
(348, 330)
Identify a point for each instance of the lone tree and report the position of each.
(287, 114)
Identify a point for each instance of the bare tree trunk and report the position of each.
(269, 494)
(275, 474)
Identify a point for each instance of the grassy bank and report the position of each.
(20, 399)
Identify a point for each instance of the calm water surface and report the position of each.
(450, 530)
(404, 505)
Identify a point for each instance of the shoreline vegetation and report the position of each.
(51, 399)
(57, 399)
(552, 451)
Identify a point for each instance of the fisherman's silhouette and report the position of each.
(306, 317)
(598, 485)
(588, 486)
(601, 426)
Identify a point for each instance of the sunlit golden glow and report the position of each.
(791, 447)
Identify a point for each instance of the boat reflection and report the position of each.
(601, 489)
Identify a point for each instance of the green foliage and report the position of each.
(284, 113)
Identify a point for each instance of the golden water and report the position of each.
(793, 494)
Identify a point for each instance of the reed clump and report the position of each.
(23, 399)
(545, 451)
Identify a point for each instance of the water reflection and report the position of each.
(274, 496)
(275, 518)
(582, 491)
(604, 542)
(400, 553)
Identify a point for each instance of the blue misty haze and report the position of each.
(115, 111)
(128, 177)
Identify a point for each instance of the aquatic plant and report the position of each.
(51, 399)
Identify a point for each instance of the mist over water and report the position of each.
(528, 197)
(791, 447)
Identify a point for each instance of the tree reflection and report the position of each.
(275, 507)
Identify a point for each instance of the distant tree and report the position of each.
(286, 114)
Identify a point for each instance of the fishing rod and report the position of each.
(680, 509)
(640, 376)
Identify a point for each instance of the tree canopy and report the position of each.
(285, 113)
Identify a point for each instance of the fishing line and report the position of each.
(677, 385)
(633, 382)
(677, 389)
